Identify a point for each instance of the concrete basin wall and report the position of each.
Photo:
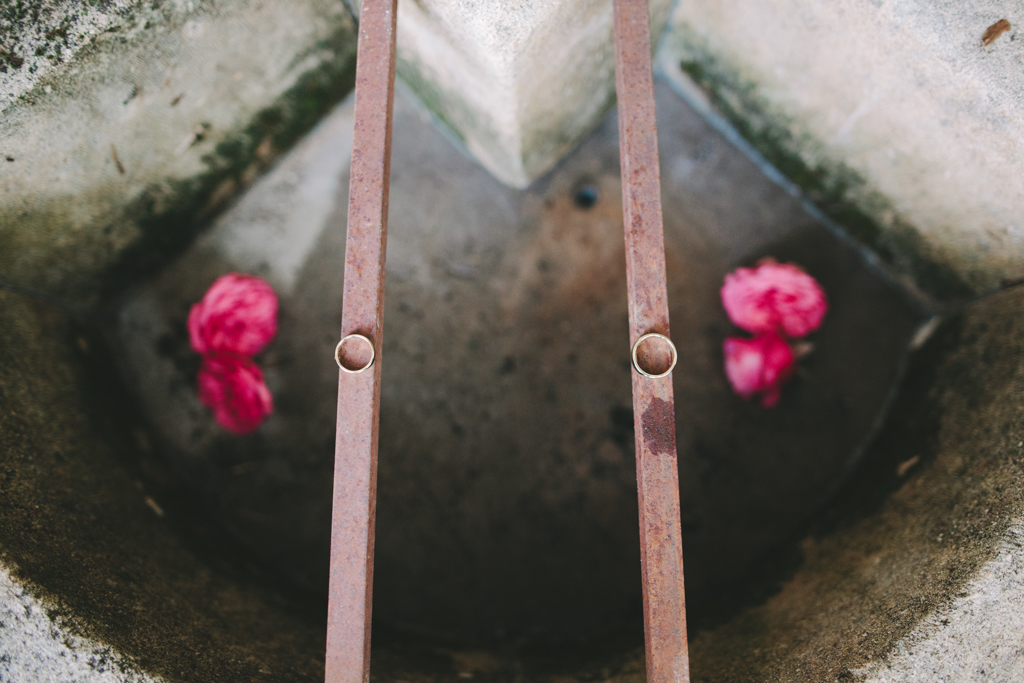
(112, 569)
(125, 126)
(518, 84)
(902, 119)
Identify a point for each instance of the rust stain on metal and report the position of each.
(659, 427)
(994, 31)
(661, 553)
(355, 468)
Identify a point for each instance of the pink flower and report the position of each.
(759, 366)
(233, 388)
(236, 318)
(774, 297)
(238, 314)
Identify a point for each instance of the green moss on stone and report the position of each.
(95, 239)
(451, 115)
(169, 216)
(839, 191)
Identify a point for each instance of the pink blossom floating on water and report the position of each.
(236, 319)
(774, 297)
(238, 314)
(233, 388)
(774, 301)
(759, 366)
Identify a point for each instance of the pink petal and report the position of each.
(233, 388)
(774, 297)
(238, 314)
(744, 361)
(779, 361)
(759, 366)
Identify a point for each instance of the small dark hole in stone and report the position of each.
(586, 197)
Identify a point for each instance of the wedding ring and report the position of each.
(337, 354)
(671, 346)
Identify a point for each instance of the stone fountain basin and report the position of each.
(819, 537)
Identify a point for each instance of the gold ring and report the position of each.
(337, 353)
(675, 356)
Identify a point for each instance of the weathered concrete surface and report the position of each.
(891, 115)
(38, 37)
(978, 636)
(125, 125)
(35, 648)
(518, 83)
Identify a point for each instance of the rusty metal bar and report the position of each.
(661, 550)
(355, 465)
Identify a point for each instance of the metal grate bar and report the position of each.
(352, 531)
(661, 550)
(355, 468)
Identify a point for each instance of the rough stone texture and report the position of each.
(978, 636)
(36, 648)
(36, 38)
(518, 83)
(127, 124)
(891, 115)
